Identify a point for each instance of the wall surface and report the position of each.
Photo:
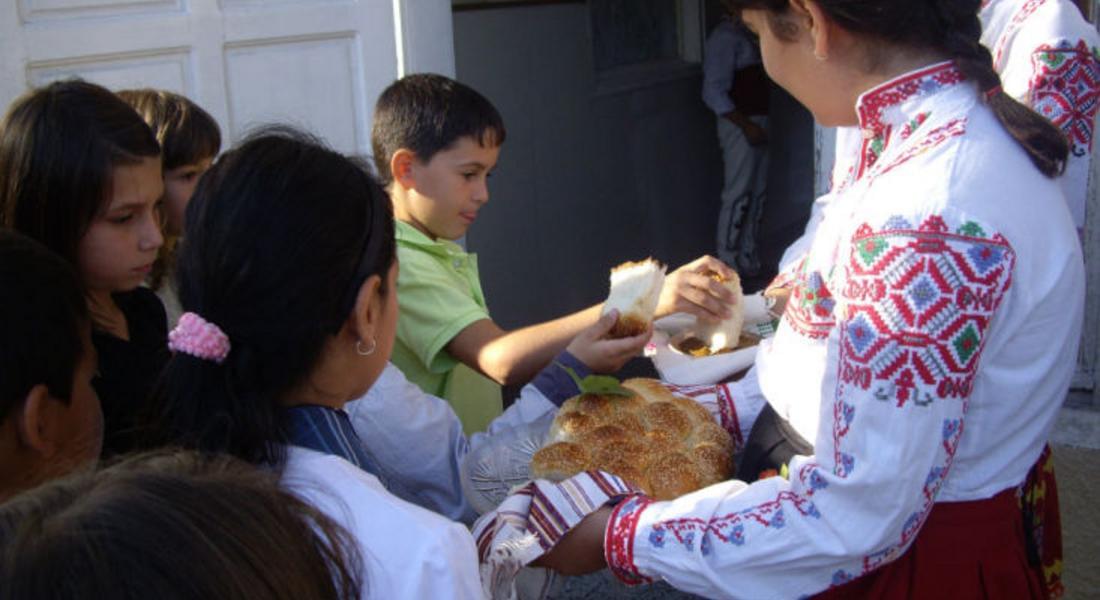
(594, 172)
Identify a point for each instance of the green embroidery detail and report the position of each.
(871, 248)
(971, 229)
(877, 145)
(1053, 60)
(967, 343)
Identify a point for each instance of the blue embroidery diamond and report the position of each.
(896, 223)
(950, 428)
(778, 520)
(737, 535)
(657, 538)
(923, 292)
(860, 334)
(985, 257)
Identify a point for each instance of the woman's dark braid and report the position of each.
(962, 33)
(961, 39)
(953, 28)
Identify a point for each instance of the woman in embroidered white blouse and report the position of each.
(927, 346)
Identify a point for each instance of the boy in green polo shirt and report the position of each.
(435, 141)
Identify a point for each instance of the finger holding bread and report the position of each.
(601, 352)
(697, 288)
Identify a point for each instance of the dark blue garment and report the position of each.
(328, 431)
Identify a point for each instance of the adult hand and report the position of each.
(691, 289)
(580, 550)
(603, 354)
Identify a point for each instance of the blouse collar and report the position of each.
(898, 107)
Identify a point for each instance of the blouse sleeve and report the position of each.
(1064, 87)
(915, 306)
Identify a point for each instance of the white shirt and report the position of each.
(927, 345)
(419, 442)
(407, 551)
(728, 49)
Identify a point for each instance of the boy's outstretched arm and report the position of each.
(511, 357)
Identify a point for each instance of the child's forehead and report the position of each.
(469, 147)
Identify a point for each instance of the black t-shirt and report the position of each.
(129, 369)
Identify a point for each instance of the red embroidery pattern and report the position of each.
(928, 80)
(918, 303)
(1009, 34)
(730, 528)
(873, 105)
(1065, 88)
(619, 540)
(809, 309)
(931, 140)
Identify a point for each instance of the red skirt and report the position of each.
(964, 550)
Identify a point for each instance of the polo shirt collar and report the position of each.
(409, 235)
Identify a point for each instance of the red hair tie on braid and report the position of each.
(992, 92)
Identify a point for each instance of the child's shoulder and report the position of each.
(143, 308)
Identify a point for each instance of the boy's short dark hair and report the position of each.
(186, 132)
(42, 315)
(426, 113)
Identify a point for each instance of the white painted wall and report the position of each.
(318, 64)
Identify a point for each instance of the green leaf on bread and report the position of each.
(604, 385)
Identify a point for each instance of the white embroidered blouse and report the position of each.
(1047, 56)
(927, 345)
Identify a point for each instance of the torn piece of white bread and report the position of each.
(635, 290)
(727, 332)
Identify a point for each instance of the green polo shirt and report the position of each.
(439, 292)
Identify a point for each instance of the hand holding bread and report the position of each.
(600, 352)
(694, 290)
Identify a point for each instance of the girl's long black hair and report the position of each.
(279, 236)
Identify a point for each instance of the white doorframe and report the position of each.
(425, 37)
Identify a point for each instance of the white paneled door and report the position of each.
(317, 64)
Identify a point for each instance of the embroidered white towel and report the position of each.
(532, 519)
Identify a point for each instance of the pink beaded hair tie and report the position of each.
(195, 336)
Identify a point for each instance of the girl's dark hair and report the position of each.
(42, 315)
(427, 113)
(186, 133)
(952, 27)
(281, 234)
(173, 526)
(58, 145)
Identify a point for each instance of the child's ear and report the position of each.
(401, 168)
(367, 313)
(34, 421)
(818, 26)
